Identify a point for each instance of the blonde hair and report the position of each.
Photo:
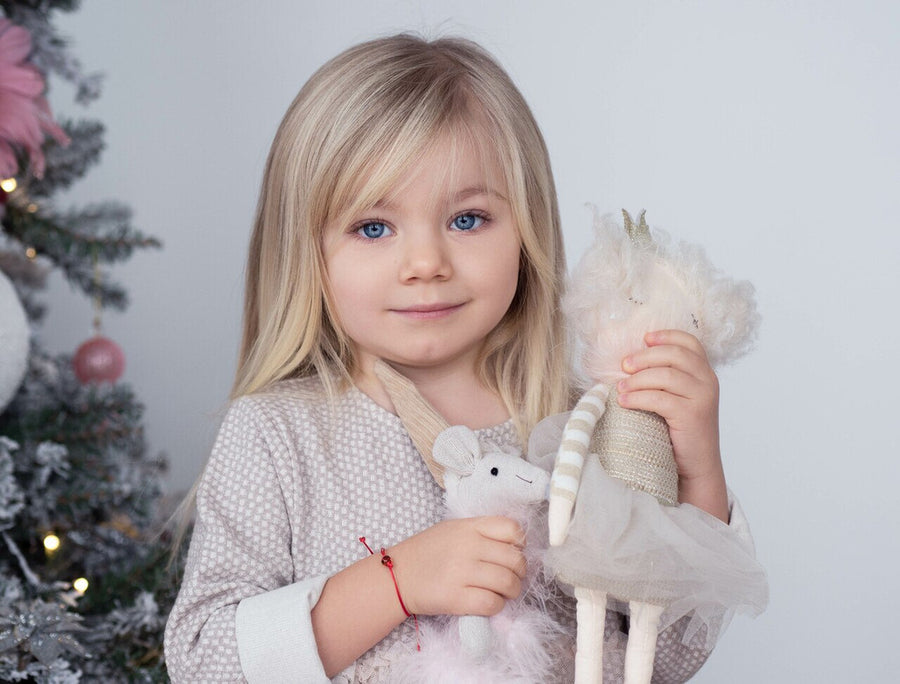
(359, 122)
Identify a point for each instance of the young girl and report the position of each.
(407, 213)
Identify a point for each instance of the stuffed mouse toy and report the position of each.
(517, 644)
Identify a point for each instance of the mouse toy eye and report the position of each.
(495, 471)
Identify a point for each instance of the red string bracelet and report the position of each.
(388, 562)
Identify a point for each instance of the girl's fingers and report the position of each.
(477, 601)
(506, 556)
(665, 355)
(664, 378)
(499, 561)
(500, 529)
(672, 378)
(488, 588)
(498, 579)
(660, 402)
(506, 552)
(678, 338)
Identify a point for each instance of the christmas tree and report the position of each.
(84, 584)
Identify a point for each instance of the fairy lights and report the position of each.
(51, 542)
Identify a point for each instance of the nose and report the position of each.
(425, 257)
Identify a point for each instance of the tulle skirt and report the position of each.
(624, 542)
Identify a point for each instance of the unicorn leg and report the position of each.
(641, 648)
(590, 614)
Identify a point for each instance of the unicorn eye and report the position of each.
(495, 471)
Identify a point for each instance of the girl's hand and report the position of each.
(672, 377)
(464, 567)
(469, 566)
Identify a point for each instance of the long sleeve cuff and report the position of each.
(275, 635)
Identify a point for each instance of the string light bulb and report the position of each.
(31, 253)
(80, 585)
(8, 184)
(51, 542)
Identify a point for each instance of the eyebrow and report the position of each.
(477, 190)
(460, 196)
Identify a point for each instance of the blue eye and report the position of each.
(467, 222)
(373, 230)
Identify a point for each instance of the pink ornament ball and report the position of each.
(99, 360)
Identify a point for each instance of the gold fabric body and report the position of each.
(634, 446)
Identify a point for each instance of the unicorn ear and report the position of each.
(457, 450)
(419, 417)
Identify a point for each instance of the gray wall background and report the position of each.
(765, 130)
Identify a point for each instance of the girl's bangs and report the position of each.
(376, 173)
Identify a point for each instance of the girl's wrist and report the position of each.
(358, 607)
(706, 491)
(387, 562)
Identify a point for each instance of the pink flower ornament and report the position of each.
(25, 116)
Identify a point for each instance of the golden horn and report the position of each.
(640, 233)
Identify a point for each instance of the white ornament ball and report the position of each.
(14, 341)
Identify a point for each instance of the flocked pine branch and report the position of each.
(75, 455)
(28, 277)
(100, 428)
(12, 499)
(67, 163)
(74, 239)
(43, 630)
(41, 6)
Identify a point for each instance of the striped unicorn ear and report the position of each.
(419, 417)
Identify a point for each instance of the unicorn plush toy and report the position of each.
(616, 529)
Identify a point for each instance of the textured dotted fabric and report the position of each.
(292, 483)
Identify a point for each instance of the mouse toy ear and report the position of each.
(419, 417)
(457, 450)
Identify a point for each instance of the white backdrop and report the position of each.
(765, 130)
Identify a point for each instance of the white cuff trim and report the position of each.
(275, 636)
(737, 521)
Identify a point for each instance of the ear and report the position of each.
(457, 449)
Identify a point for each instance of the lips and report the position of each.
(429, 311)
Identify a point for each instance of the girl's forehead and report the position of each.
(453, 166)
(457, 157)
